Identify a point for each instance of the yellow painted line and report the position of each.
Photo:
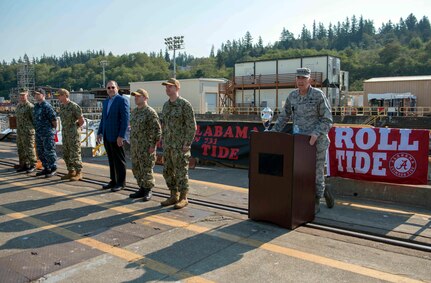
(115, 251)
(381, 275)
(121, 209)
(339, 264)
(336, 264)
(245, 190)
(191, 181)
(219, 186)
(375, 208)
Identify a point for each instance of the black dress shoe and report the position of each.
(31, 169)
(329, 198)
(117, 188)
(139, 194)
(108, 186)
(23, 168)
(148, 195)
(51, 172)
(42, 173)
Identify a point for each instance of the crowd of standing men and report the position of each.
(36, 127)
(178, 129)
(38, 123)
(307, 107)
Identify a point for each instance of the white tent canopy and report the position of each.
(390, 96)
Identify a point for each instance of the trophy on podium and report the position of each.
(266, 116)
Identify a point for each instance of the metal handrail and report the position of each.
(97, 148)
(87, 135)
(248, 109)
(418, 111)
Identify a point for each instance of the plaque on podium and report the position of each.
(282, 175)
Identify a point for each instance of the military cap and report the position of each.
(140, 92)
(40, 91)
(303, 72)
(172, 81)
(62, 91)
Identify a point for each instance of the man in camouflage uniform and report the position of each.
(45, 123)
(179, 128)
(71, 121)
(25, 134)
(145, 132)
(311, 115)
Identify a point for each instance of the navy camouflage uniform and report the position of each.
(311, 114)
(43, 115)
(145, 132)
(69, 114)
(179, 128)
(25, 134)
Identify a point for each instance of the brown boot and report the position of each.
(68, 175)
(183, 202)
(173, 199)
(78, 176)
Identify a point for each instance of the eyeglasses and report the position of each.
(111, 87)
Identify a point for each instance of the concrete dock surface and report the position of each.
(61, 231)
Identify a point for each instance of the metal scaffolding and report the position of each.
(25, 80)
(25, 76)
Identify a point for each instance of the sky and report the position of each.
(51, 27)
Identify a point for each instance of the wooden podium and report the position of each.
(282, 175)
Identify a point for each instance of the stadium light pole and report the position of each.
(175, 43)
(104, 63)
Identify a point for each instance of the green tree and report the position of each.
(390, 52)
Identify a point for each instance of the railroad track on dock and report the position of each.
(411, 244)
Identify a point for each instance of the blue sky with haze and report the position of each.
(50, 27)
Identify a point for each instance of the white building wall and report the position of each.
(267, 98)
(282, 96)
(264, 97)
(336, 70)
(358, 100)
(194, 90)
(209, 96)
(317, 64)
(244, 69)
(288, 66)
(266, 68)
(329, 66)
(246, 96)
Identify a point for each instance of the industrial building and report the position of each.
(398, 92)
(201, 93)
(268, 83)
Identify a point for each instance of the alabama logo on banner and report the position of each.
(379, 154)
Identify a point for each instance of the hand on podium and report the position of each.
(313, 139)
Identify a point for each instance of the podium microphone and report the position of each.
(295, 128)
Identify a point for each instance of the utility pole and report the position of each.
(175, 43)
(104, 63)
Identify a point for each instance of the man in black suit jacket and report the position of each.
(112, 128)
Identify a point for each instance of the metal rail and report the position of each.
(5, 136)
(371, 237)
(314, 225)
(191, 200)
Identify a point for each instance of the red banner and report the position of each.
(225, 142)
(379, 154)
